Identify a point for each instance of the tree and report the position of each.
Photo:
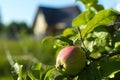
(15, 28)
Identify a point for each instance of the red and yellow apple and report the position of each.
(70, 60)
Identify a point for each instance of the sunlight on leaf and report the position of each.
(104, 17)
(82, 18)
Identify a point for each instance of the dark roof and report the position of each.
(54, 15)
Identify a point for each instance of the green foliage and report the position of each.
(92, 5)
(109, 67)
(103, 17)
(18, 74)
(83, 18)
(53, 74)
(97, 32)
(68, 32)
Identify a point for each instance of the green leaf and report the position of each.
(116, 76)
(65, 39)
(31, 75)
(109, 67)
(117, 45)
(68, 32)
(92, 5)
(44, 71)
(88, 1)
(98, 7)
(116, 39)
(60, 44)
(91, 72)
(82, 18)
(102, 37)
(34, 73)
(53, 74)
(97, 41)
(17, 71)
(45, 51)
(104, 17)
(47, 42)
(37, 66)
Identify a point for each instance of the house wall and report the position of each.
(40, 26)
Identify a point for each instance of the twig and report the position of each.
(87, 54)
(82, 39)
(113, 54)
(107, 55)
(85, 48)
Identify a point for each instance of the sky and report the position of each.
(25, 10)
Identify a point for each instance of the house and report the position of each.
(51, 21)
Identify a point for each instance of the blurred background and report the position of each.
(23, 23)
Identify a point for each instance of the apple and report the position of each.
(70, 60)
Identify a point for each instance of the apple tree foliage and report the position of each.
(97, 32)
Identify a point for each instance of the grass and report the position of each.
(25, 51)
(19, 51)
(7, 77)
(4, 64)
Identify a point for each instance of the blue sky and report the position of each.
(25, 10)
